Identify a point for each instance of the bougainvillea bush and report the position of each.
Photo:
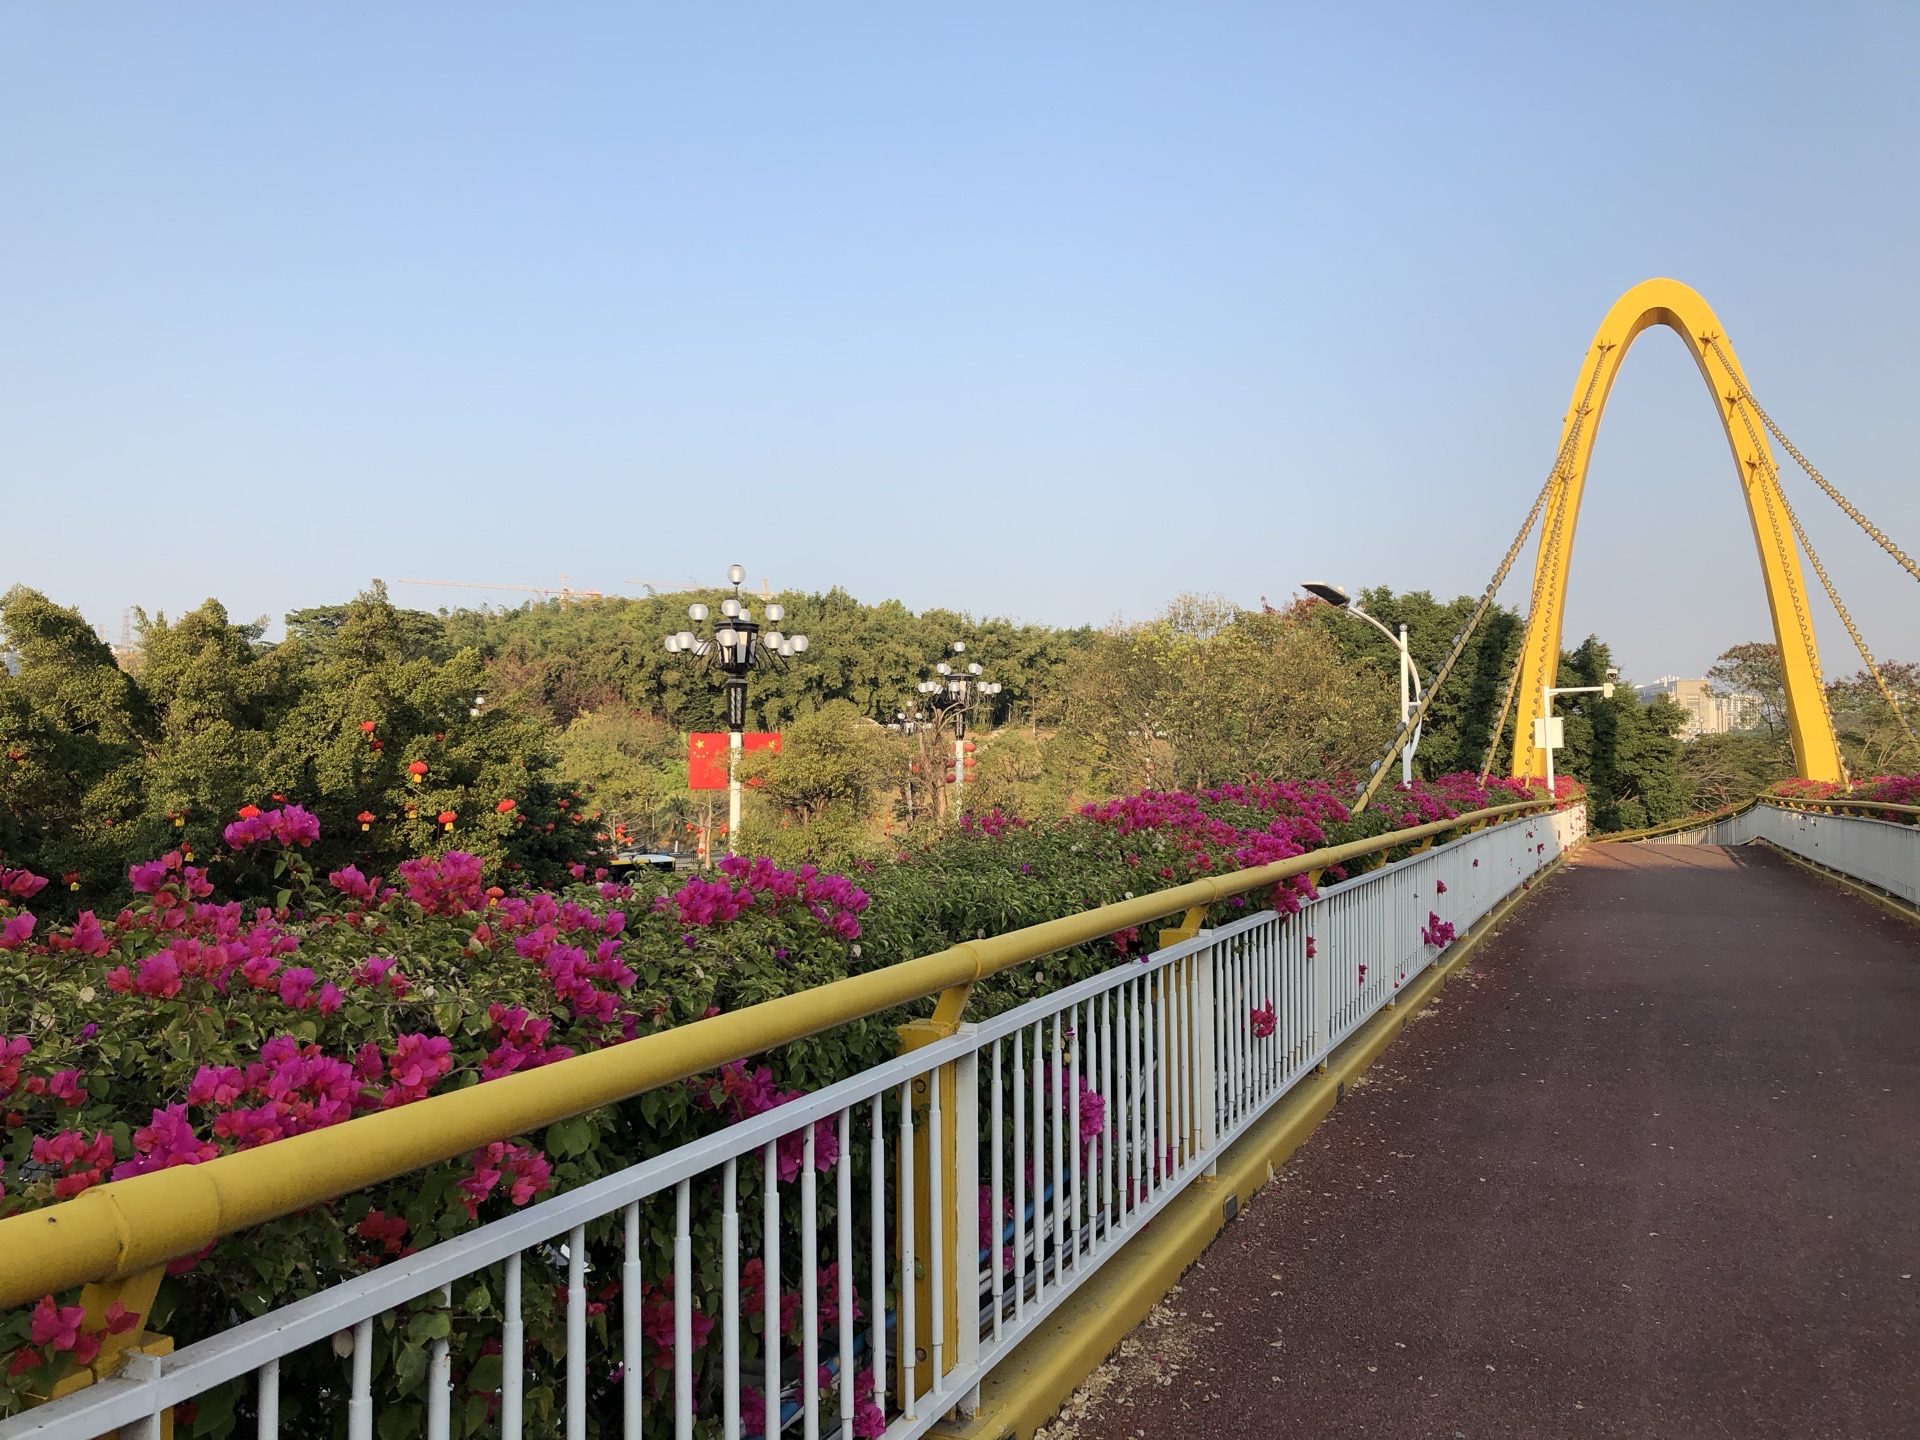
(1885, 789)
(188, 1024)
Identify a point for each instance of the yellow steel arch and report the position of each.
(1680, 309)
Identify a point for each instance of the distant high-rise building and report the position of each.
(1707, 712)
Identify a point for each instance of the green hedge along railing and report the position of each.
(128, 1227)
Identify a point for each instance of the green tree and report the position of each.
(833, 767)
(1874, 739)
(1624, 752)
(71, 729)
(633, 767)
(1460, 720)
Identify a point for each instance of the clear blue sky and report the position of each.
(1042, 310)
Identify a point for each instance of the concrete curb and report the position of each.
(1028, 1389)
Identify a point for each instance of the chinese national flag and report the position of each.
(707, 755)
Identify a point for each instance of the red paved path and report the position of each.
(1653, 1169)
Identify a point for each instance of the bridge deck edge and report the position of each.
(1028, 1390)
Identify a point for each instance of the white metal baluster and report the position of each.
(770, 1305)
(936, 1196)
(577, 1333)
(1156, 1080)
(1039, 1165)
(632, 1371)
(843, 1255)
(1104, 1010)
(1073, 1129)
(513, 1352)
(683, 1310)
(729, 1307)
(440, 1377)
(909, 1339)
(809, 1291)
(1177, 1079)
(1058, 1177)
(1019, 1177)
(269, 1377)
(1136, 1101)
(996, 1205)
(360, 1402)
(877, 1242)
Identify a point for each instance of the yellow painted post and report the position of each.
(917, 1370)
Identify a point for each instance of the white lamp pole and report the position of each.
(1549, 732)
(1411, 690)
(736, 647)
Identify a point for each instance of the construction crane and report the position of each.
(566, 594)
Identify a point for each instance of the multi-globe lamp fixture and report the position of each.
(736, 646)
(956, 691)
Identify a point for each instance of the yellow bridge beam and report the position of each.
(1680, 309)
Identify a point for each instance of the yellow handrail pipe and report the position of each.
(127, 1226)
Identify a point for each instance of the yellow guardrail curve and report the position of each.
(122, 1228)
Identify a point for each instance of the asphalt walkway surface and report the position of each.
(1650, 1166)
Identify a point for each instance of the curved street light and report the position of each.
(1411, 690)
(736, 646)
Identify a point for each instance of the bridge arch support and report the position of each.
(1682, 310)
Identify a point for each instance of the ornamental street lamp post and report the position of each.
(736, 647)
(1411, 691)
(906, 722)
(954, 693)
(1549, 730)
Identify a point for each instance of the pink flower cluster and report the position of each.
(79, 1160)
(381, 973)
(20, 884)
(992, 825)
(741, 1093)
(287, 827)
(525, 1171)
(211, 943)
(296, 1088)
(445, 885)
(16, 930)
(568, 968)
(834, 901)
(170, 880)
(1263, 1021)
(1438, 933)
(350, 882)
(522, 1043)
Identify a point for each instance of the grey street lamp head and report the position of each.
(1332, 594)
(736, 574)
(776, 613)
(959, 647)
(696, 612)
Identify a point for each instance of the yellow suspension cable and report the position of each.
(1554, 476)
(1832, 494)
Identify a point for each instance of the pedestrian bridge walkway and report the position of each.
(1648, 1167)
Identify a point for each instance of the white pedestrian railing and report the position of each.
(1883, 853)
(918, 1221)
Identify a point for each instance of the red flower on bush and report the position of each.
(505, 806)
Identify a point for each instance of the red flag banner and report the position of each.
(707, 755)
